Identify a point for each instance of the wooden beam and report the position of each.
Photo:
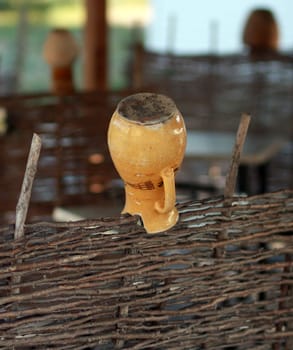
(95, 70)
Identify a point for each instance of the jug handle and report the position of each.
(168, 177)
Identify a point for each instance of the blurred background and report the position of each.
(180, 27)
(66, 64)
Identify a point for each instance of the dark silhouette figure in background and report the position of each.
(261, 32)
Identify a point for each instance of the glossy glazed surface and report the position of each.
(146, 155)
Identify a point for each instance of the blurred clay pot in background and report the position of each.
(261, 33)
(60, 50)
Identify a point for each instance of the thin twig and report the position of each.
(233, 170)
(25, 194)
(232, 175)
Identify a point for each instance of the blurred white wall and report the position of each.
(195, 26)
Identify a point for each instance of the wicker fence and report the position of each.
(73, 128)
(220, 279)
(211, 90)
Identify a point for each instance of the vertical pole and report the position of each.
(21, 44)
(171, 33)
(214, 36)
(26, 188)
(95, 69)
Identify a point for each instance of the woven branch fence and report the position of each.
(210, 90)
(220, 279)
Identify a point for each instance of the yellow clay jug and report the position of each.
(147, 140)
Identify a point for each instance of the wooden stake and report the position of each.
(25, 194)
(233, 170)
(231, 177)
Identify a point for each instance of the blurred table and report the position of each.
(258, 151)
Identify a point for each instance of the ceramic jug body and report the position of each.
(147, 140)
